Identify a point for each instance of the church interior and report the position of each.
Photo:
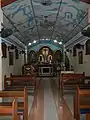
(44, 59)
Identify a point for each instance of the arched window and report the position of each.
(16, 53)
(88, 47)
(74, 51)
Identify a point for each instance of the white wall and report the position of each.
(16, 68)
(85, 67)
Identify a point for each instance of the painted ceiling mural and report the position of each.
(53, 19)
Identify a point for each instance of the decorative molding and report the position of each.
(17, 43)
(79, 38)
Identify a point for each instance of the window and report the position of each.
(74, 51)
(11, 58)
(4, 50)
(16, 53)
(88, 47)
(80, 57)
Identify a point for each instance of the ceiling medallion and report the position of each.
(46, 2)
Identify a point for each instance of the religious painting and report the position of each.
(49, 58)
(80, 57)
(41, 59)
(88, 47)
(11, 58)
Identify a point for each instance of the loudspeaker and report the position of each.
(86, 32)
(6, 32)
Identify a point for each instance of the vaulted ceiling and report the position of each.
(40, 19)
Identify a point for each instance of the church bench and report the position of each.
(71, 80)
(82, 103)
(19, 81)
(29, 80)
(20, 95)
(87, 79)
(11, 110)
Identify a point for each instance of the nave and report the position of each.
(46, 104)
(45, 59)
(48, 101)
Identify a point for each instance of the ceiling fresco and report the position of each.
(54, 19)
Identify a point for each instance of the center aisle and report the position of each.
(50, 112)
(43, 107)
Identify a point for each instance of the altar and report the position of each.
(46, 61)
(46, 70)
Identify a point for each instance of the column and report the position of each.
(64, 56)
(26, 54)
(89, 14)
(1, 21)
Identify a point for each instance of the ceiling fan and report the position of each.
(5, 32)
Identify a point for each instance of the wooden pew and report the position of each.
(10, 110)
(22, 106)
(87, 78)
(71, 80)
(82, 103)
(15, 81)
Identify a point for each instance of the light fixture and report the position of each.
(55, 41)
(46, 38)
(34, 41)
(60, 43)
(29, 43)
(42, 39)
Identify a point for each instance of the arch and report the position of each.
(45, 47)
(46, 54)
(32, 57)
(58, 57)
(88, 47)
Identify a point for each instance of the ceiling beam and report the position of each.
(35, 18)
(56, 17)
(12, 34)
(76, 26)
(14, 26)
